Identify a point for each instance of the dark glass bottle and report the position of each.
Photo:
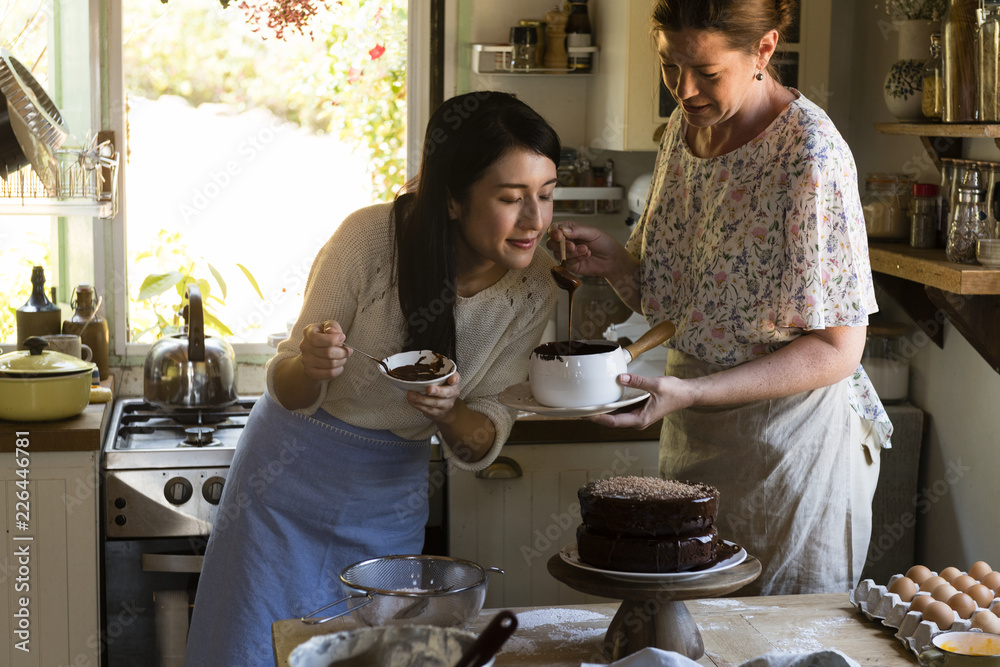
(38, 316)
(578, 34)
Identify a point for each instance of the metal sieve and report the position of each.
(409, 590)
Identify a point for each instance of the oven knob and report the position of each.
(120, 520)
(212, 490)
(120, 503)
(178, 491)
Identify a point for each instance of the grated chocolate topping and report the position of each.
(645, 488)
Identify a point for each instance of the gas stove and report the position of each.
(164, 469)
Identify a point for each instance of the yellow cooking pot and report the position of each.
(39, 385)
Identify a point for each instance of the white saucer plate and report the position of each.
(519, 396)
(571, 556)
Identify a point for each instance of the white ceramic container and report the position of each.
(578, 374)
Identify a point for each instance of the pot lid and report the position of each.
(37, 362)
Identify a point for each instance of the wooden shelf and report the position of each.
(943, 140)
(956, 130)
(929, 287)
(929, 267)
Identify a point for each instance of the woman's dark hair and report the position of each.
(465, 135)
(743, 23)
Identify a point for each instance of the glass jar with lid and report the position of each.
(923, 213)
(968, 219)
(884, 206)
(931, 101)
(884, 362)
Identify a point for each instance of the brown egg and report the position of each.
(979, 569)
(991, 581)
(919, 574)
(981, 594)
(962, 582)
(939, 613)
(949, 573)
(904, 588)
(963, 605)
(930, 583)
(943, 592)
(986, 621)
(920, 602)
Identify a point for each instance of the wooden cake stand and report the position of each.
(652, 613)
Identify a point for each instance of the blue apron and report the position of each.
(305, 497)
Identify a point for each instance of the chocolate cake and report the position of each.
(647, 524)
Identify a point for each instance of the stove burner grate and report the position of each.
(200, 436)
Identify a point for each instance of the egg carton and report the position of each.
(878, 604)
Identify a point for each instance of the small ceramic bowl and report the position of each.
(415, 357)
(988, 253)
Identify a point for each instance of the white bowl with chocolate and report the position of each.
(418, 369)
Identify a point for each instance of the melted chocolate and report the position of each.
(421, 371)
(570, 348)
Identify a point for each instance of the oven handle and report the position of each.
(171, 563)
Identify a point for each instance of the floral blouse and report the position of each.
(747, 251)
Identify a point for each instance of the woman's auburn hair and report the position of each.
(464, 137)
(743, 23)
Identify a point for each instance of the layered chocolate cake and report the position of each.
(647, 524)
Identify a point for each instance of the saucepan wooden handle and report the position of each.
(655, 336)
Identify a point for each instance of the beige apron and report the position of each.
(796, 476)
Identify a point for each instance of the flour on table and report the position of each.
(562, 633)
(532, 619)
(811, 637)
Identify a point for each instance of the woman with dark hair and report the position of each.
(332, 467)
(752, 243)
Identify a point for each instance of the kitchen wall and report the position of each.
(953, 385)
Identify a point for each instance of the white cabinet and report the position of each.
(518, 523)
(622, 108)
(49, 572)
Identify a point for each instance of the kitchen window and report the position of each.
(219, 168)
(236, 171)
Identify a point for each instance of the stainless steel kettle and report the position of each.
(190, 370)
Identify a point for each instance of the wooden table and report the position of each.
(734, 630)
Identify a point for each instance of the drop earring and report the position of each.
(759, 76)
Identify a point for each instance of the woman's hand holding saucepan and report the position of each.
(322, 352)
(666, 394)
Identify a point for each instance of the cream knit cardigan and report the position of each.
(351, 282)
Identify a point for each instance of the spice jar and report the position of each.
(923, 213)
(884, 206)
(933, 81)
(578, 35)
(539, 28)
(524, 44)
(968, 220)
(884, 362)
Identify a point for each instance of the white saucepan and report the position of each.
(576, 374)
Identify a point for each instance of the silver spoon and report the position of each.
(376, 360)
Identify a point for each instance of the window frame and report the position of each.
(110, 258)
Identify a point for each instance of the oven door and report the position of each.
(148, 600)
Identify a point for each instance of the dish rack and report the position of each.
(85, 183)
